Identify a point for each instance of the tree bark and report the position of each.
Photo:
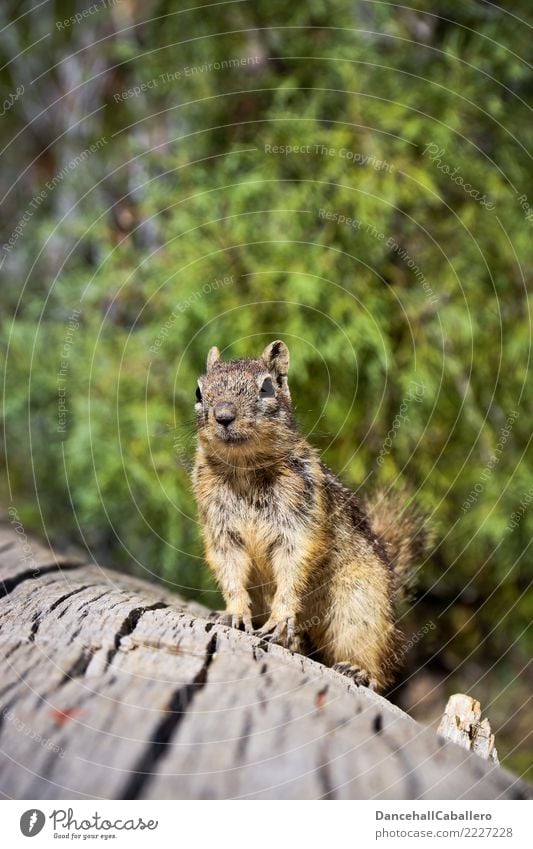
(113, 688)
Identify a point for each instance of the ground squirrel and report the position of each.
(298, 555)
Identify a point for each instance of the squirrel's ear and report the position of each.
(276, 357)
(212, 357)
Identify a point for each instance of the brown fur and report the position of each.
(402, 529)
(294, 551)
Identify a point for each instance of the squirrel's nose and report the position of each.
(225, 413)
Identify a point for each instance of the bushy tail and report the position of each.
(404, 531)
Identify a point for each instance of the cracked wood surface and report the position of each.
(114, 688)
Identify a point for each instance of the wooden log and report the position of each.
(113, 688)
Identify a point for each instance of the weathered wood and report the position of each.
(114, 688)
(462, 724)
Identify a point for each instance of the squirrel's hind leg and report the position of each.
(355, 633)
(359, 676)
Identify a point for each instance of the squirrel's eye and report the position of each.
(267, 389)
(198, 395)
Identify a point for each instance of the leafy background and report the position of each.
(181, 230)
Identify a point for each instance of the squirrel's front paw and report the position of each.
(237, 620)
(279, 631)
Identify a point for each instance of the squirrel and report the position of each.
(300, 559)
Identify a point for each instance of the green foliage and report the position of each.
(187, 192)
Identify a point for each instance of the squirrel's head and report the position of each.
(243, 407)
